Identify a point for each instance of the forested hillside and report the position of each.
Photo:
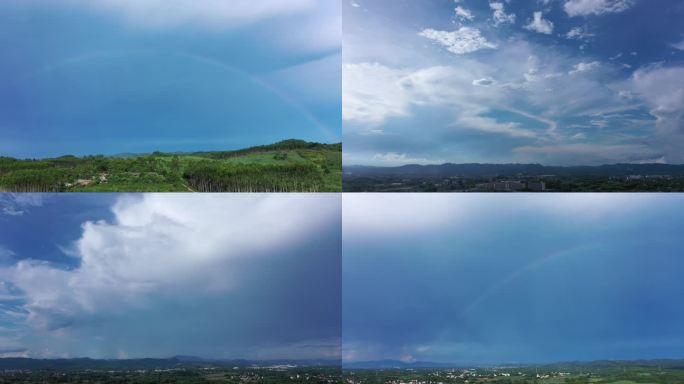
(287, 166)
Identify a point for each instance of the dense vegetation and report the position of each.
(472, 177)
(182, 375)
(180, 370)
(354, 183)
(607, 372)
(287, 166)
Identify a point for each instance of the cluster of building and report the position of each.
(552, 374)
(512, 186)
(644, 177)
(87, 182)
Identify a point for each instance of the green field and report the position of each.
(287, 166)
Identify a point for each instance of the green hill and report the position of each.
(286, 166)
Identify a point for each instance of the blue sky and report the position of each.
(115, 76)
(558, 82)
(157, 275)
(488, 279)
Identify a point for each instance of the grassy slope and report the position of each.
(160, 172)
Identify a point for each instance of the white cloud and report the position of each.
(162, 247)
(16, 204)
(462, 41)
(463, 14)
(662, 87)
(465, 96)
(374, 93)
(596, 7)
(316, 28)
(305, 24)
(485, 81)
(211, 13)
(13, 353)
(393, 158)
(371, 93)
(584, 67)
(663, 90)
(657, 160)
(539, 24)
(578, 33)
(679, 45)
(369, 216)
(468, 101)
(500, 16)
(599, 153)
(599, 123)
(423, 348)
(472, 120)
(548, 81)
(393, 214)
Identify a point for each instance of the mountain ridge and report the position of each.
(601, 363)
(510, 169)
(19, 363)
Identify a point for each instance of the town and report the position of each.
(516, 183)
(217, 374)
(608, 372)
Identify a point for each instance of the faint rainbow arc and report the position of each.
(286, 98)
(534, 264)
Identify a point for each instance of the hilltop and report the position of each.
(286, 166)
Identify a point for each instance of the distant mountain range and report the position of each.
(149, 363)
(490, 170)
(389, 364)
(193, 361)
(397, 364)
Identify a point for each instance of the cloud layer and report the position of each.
(216, 13)
(201, 261)
(552, 90)
(16, 204)
(460, 41)
(596, 7)
(374, 94)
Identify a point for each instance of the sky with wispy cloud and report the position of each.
(496, 278)
(253, 276)
(119, 76)
(557, 82)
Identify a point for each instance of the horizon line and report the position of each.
(133, 154)
(480, 163)
(501, 364)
